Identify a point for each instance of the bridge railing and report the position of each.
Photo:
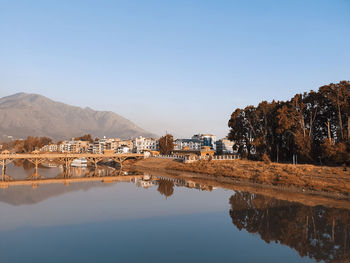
(225, 157)
(174, 157)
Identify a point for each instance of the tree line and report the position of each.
(29, 144)
(32, 143)
(313, 127)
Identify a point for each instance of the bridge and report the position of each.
(66, 159)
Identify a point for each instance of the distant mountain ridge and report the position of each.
(23, 114)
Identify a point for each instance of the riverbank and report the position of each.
(332, 180)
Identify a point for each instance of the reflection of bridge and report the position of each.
(68, 181)
(66, 159)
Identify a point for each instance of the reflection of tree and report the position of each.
(28, 165)
(165, 187)
(317, 232)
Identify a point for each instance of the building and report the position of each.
(142, 144)
(193, 155)
(191, 144)
(112, 144)
(99, 145)
(124, 149)
(65, 146)
(73, 146)
(127, 143)
(224, 146)
(206, 140)
(49, 148)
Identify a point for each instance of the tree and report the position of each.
(86, 137)
(166, 144)
(32, 143)
(297, 127)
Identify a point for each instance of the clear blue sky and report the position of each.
(180, 66)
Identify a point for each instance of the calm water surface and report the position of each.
(160, 219)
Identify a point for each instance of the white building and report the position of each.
(98, 146)
(65, 146)
(123, 149)
(191, 144)
(142, 144)
(224, 146)
(206, 140)
(49, 148)
(73, 146)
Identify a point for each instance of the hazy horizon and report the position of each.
(181, 67)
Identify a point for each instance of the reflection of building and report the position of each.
(187, 183)
(79, 171)
(224, 146)
(82, 162)
(144, 182)
(203, 187)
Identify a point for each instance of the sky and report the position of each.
(178, 66)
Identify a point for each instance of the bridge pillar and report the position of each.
(36, 162)
(66, 165)
(4, 176)
(3, 168)
(120, 160)
(94, 161)
(36, 169)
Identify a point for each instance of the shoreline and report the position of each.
(326, 189)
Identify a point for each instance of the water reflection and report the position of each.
(165, 187)
(317, 232)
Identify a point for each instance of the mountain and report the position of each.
(25, 114)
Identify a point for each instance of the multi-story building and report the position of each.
(73, 146)
(191, 144)
(206, 140)
(97, 146)
(142, 144)
(49, 148)
(124, 149)
(128, 143)
(79, 146)
(224, 146)
(65, 146)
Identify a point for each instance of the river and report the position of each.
(112, 216)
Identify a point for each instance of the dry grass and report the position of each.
(309, 177)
